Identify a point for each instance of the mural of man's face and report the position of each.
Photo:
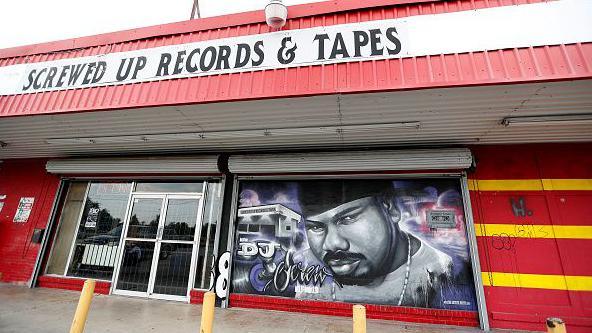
(353, 239)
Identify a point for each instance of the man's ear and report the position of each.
(391, 209)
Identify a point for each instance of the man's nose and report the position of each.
(334, 241)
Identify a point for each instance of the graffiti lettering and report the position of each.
(502, 241)
(264, 249)
(288, 272)
(519, 207)
(505, 241)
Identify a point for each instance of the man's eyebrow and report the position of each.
(346, 211)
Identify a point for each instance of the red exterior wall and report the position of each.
(23, 178)
(533, 244)
(528, 272)
(76, 284)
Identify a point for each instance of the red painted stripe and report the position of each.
(196, 296)
(56, 282)
(533, 161)
(419, 315)
(576, 257)
(507, 254)
(496, 208)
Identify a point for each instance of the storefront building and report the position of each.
(431, 159)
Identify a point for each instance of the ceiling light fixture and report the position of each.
(276, 14)
(241, 134)
(568, 119)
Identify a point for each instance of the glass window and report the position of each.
(180, 219)
(144, 218)
(178, 187)
(66, 228)
(203, 276)
(97, 242)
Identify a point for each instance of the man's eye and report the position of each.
(348, 219)
(315, 228)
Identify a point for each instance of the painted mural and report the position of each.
(393, 242)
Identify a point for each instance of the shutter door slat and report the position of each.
(417, 159)
(207, 164)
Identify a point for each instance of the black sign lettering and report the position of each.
(360, 39)
(190, 64)
(89, 73)
(375, 46)
(243, 54)
(179, 62)
(339, 48)
(75, 73)
(140, 63)
(100, 71)
(258, 49)
(392, 37)
(163, 65)
(235, 54)
(287, 54)
(30, 79)
(50, 75)
(211, 53)
(36, 84)
(63, 75)
(223, 55)
(121, 75)
(321, 47)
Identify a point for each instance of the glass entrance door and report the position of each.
(158, 256)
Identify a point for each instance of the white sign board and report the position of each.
(23, 210)
(546, 23)
(441, 219)
(91, 218)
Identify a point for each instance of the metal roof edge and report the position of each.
(223, 21)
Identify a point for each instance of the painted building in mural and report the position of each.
(430, 159)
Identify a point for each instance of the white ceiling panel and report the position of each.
(462, 115)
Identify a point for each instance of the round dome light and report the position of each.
(275, 14)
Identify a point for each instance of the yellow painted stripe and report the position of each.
(534, 231)
(530, 184)
(541, 281)
(509, 185)
(567, 184)
(472, 184)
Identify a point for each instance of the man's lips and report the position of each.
(342, 261)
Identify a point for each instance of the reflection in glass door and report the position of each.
(159, 246)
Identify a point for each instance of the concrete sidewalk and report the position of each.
(50, 311)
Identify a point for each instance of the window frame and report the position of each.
(206, 180)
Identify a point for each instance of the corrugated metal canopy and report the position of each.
(418, 159)
(468, 115)
(204, 164)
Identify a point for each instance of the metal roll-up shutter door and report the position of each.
(207, 164)
(383, 160)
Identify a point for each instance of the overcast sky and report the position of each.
(24, 22)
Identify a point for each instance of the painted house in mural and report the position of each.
(430, 159)
(276, 220)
